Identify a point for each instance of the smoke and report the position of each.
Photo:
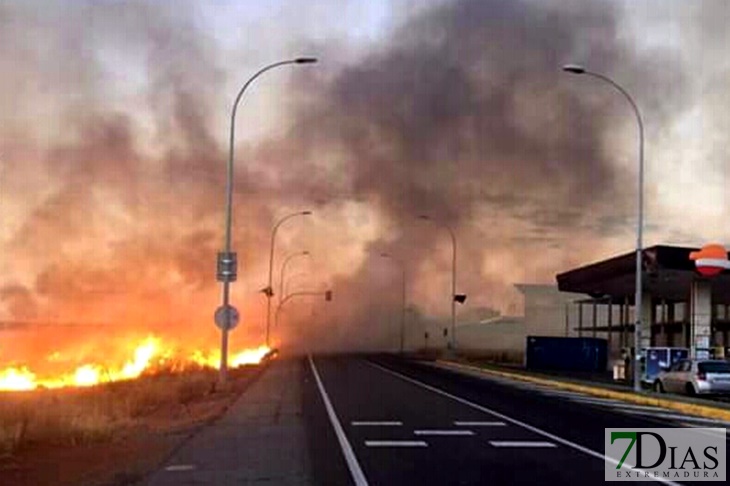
(463, 114)
(113, 143)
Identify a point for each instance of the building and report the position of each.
(680, 306)
(546, 312)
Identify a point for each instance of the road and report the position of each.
(383, 421)
(380, 420)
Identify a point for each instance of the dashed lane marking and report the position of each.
(479, 424)
(521, 443)
(511, 420)
(365, 423)
(395, 443)
(443, 432)
(180, 467)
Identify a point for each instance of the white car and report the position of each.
(695, 377)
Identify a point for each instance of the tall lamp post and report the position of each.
(575, 69)
(283, 270)
(227, 261)
(269, 291)
(453, 279)
(403, 299)
(327, 294)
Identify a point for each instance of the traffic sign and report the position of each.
(226, 317)
(226, 267)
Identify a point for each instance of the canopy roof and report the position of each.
(668, 275)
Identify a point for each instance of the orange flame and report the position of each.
(148, 355)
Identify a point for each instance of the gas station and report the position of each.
(685, 307)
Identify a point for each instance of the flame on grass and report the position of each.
(149, 356)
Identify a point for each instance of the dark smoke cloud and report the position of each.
(466, 105)
(461, 113)
(464, 110)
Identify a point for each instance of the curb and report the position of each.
(690, 408)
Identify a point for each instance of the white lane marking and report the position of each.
(180, 467)
(395, 443)
(520, 443)
(679, 416)
(560, 393)
(479, 424)
(615, 404)
(365, 423)
(715, 433)
(357, 475)
(544, 433)
(443, 432)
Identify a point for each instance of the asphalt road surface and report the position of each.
(382, 421)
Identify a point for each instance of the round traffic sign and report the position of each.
(226, 317)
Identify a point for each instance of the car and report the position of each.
(695, 377)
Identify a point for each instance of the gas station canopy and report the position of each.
(668, 275)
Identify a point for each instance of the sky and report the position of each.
(114, 121)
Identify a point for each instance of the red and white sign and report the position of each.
(711, 260)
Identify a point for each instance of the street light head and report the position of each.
(305, 60)
(306, 213)
(385, 255)
(423, 216)
(574, 68)
(305, 252)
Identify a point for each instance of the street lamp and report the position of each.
(269, 291)
(283, 270)
(327, 294)
(403, 299)
(227, 259)
(575, 69)
(453, 278)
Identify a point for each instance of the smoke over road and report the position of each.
(114, 119)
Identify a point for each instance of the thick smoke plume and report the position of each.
(463, 115)
(114, 118)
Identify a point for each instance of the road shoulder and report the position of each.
(597, 390)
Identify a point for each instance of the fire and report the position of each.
(149, 355)
(17, 379)
(247, 356)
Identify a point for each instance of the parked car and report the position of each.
(695, 377)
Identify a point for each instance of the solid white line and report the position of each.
(544, 433)
(355, 470)
(480, 424)
(376, 424)
(520, 443)
(395, 443)
(717, 434)
(679, 416)
(617, 405)
(180, 467)
(443, 432)
(559, 393)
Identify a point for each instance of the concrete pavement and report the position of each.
(260, 440)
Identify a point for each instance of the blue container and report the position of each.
(566, 353)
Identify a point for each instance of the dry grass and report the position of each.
(82, 416)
